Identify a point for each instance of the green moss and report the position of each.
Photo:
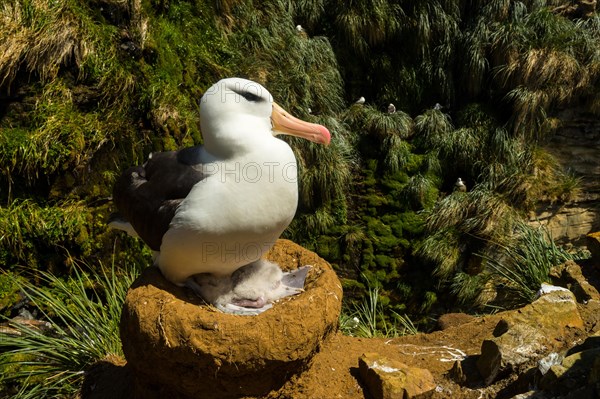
(429, 300)
(14, 363)
(9, 291)
(413, 223)
(35, 236)
(328, 247)
(351, 285)
(375, 200)
(394, 183)
(404, 290)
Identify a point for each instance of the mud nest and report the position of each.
(179, 347)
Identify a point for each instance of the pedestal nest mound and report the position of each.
(179, 347)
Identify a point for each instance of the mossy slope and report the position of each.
(90, 87)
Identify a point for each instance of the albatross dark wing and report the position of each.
(147, 196)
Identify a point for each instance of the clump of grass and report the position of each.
(419, 192)
(432, 127)
(83, 313)
(470, 290)
(368, 319)
(324, 172)
(390, 130)
(461, 225)
(396, 153)
(551, 182)
(307, 83)
(443, 250)
(480, 212)
(478, 243)
(28, 43)
(521, 268)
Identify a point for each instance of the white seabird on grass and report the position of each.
(460, 185)
(218, 207)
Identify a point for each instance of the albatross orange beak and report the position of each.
(284, 122)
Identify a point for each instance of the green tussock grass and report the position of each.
(368, 319)
(83, 315)
(522, 267)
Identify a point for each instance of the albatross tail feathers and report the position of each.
(116, 221)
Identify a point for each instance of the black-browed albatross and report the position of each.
(211, 211)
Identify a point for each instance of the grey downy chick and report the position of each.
(251, 289)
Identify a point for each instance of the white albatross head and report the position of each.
(237, 112)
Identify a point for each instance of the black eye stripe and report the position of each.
(249, 96)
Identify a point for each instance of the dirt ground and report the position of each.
(334, 370)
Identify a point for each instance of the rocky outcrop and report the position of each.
(573, 374)
(576, 9)
(448, 320)
(570, 275)
(568, 223)
(529, 334)
(178, 347)
(593, 244)
(391, 379)
(576, 145)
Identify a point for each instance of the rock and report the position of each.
(448, 320)
(575, 371)
(552, 376)
(576, 146)
(389, 379)
(548, 288)
(108, 378)
(25, 314)
(582, 354)
(549, 361)
(529, 333)
(569, 222)
(569, 274)
(590, 312)
(576, 9)
(501, 328)
(529, 395)
(591, 342)
(593, 245)
(177, 347)
(583, 359)
(457, 374)
(464, 372)
(594, 376)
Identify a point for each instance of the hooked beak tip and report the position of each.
(284, 122)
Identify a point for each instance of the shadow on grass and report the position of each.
(108, 379)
